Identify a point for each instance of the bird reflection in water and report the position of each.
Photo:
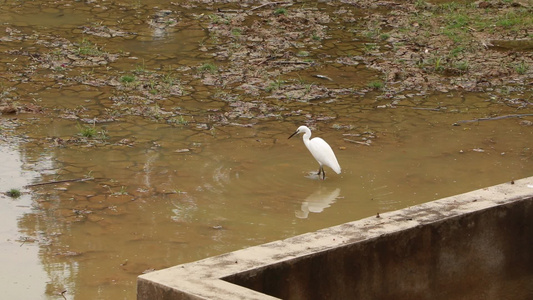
(316, 202)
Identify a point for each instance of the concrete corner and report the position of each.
(476, 245)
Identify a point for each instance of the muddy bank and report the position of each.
(452, 45)
(260, 57)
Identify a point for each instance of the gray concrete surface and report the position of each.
(477, 245)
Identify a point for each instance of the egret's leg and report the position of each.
(323, 173)
(319, 171)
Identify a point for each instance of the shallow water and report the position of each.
(155, 195)
(152, 206)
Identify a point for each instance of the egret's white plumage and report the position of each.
(320, 150)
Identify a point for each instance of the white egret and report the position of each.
(320, 150)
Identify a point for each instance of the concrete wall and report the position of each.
(477, 245)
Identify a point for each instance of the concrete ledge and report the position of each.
(476, 245)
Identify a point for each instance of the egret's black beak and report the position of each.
(293, 134)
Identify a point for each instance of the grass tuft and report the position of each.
(86, 47)
(13, 193)
(127, 78)
(376, 85)
(280, 11)
(208, 67)
(522, 68)
(86, 130)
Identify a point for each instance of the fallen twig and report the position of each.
(269, 3)
(429, 108)
(357, 142)
(59, 181)
(262, 61)
(494, 118)
(289, 62)
(221, 10)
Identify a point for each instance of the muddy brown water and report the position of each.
(162, 194)
(152, 206)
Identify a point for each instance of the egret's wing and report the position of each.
(323, 153)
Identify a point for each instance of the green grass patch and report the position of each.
(420, 4)
(280, 11)
(456, 51)
(448, 7)
(86, 47)
(86, 130)
(521, 68)
(236, 32)
(384, 36)
(509, 20)
(181, 121)
(178, 120)
(208, 67)
(438, 64)
(370, 47)
(127, 79)
(461, 66)
(458, 21)
(216, 19)
(274, 85)
(13, 193)
(376, 85)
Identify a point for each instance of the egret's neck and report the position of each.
(306, 138)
